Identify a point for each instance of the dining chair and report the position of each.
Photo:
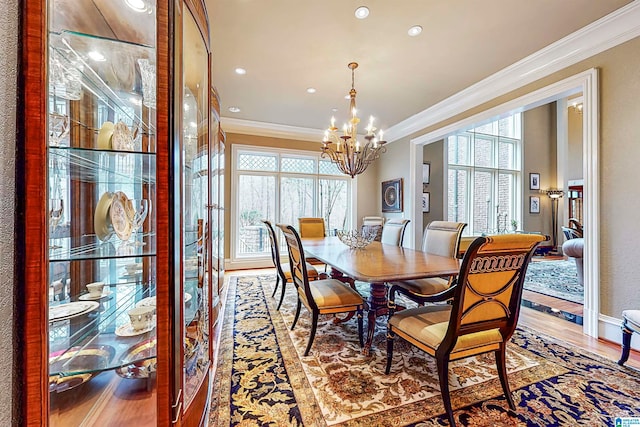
(483, 313)
(439, 238)
(311, 227)
(283, 272)
(325, 296)
(393, 231)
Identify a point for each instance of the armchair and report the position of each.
(483, 313)
(439, 238)
(630, 324)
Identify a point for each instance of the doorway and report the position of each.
(585, 83)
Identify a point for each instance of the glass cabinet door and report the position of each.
(195, 210)
(101, 195)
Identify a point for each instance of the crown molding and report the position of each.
(248, 127)
(616, 28)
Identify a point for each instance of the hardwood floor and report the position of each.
(544, 323)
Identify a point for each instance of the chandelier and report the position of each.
(350, 155)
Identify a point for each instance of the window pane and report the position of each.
(483, 152)
(296, 199)
(459, 149)
(506, 155)
(506, 202)
(488, 128)
(458, 186)
(481, 201)
(256, 203)
(327, 167)
(334, 204)
(257, 162)
(293, 164)
(510, 126)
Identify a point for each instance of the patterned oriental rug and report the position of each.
(262, 379)
(555, 278)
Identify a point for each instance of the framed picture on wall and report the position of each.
(534, 181)
(534, 204)
(392, 195)
(426, 172)
(425, 202)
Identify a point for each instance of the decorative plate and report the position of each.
(75, 366)
(101, 221)
(139, 360)
(104, 136)
(89, 297)
(72, 309)
(122, 138)
(127, 330)
(119, 213)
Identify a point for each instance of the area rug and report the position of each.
(262, 380)
(555, 278)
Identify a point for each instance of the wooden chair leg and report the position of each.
(295, 318)
(284, 288)
(275, 288)
(360, 327)
(443, 376)
(312, 335)
(390, 337)
(626, 344)
(502, 373)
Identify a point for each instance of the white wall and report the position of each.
(8, 84)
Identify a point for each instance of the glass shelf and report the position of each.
(101, 339)
(91, 247)
(114, 78)
(102, 166)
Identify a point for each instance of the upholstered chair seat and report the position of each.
(311, 272)
(426, 327)
(630, 324)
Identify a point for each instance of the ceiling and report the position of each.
(287, 46)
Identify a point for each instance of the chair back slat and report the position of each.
(298, 264)
(489, 287)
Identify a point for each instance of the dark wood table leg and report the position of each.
(377, 307)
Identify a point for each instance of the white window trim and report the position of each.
(239, 262)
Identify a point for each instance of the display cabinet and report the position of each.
(119, 139)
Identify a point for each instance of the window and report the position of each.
(483, 176)
(282, 186)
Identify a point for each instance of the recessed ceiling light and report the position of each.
(137, 5)
(241, 71)
(234, 109)
(311, 90)
(347, 97)
(335, 110)
(415, 30)
(96, 56)
(362, 12)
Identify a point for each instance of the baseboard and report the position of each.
(609, 329)
(247, 264)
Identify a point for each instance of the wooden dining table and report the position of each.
(377, 264)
